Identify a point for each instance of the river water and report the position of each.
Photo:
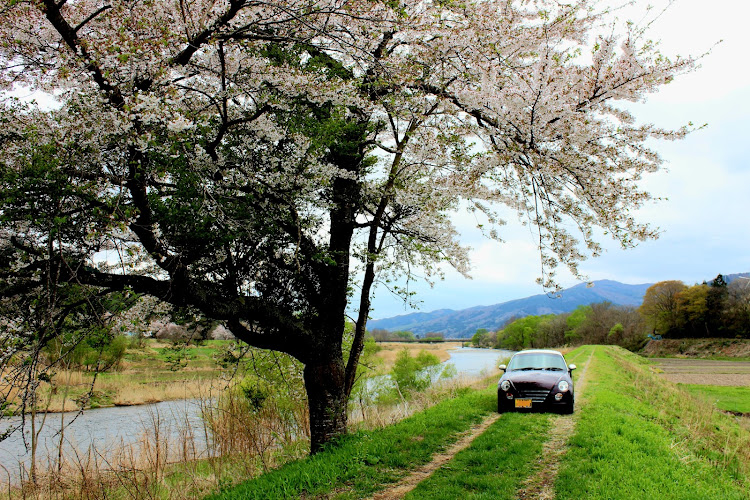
(107, 430)
(476, 362)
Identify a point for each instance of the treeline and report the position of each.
(716, 309)
(670, 309)
(383, 335)
(600, 323)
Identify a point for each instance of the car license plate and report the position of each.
(523, 403)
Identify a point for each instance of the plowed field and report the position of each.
(705, 372)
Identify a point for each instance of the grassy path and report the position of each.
(412, 480)
(541, 483)
(515, 458)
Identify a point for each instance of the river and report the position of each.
(107, 430)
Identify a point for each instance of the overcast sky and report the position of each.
(704, 222)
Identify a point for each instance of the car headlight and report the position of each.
(505, 385)
(563, 385)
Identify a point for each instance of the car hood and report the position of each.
(540, 378)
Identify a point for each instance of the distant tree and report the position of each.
(737, 312)
(660, 307)
(402, 335)
(633, 336)
(574, 322)
(598, 320)
(383, 335)
(522, 333)
(716, 303)
(551, 331)
(479, 339)
(379, 334)
(614, 336)
(598, 323)
(692, 311)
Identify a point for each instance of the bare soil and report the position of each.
(704, 371)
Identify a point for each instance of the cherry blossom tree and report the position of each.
(265, 162)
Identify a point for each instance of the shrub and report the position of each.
(414, 374)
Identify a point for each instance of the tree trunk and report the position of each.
(324, 381)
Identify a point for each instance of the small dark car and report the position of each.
(536, 380)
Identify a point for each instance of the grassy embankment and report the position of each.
(364, 461)
(367, 462)
(642, 437)
(637, 436)
(499, 460)
(169, 465)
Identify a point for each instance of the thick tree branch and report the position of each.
(195, 43)
(91, 17)
(52, 11)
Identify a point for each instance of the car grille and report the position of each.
(536, 395)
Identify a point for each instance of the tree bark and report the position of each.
(327, 400)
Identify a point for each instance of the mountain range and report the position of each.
(465, 322)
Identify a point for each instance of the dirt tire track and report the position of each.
(411, 481)
(541, 483)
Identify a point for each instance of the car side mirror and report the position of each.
(502, 367)
(572, 367)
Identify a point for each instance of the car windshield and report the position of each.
(537, 361)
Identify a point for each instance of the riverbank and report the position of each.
(167, 441)
(171, 460)
(626, 405)
(156, 371)
(151, 372)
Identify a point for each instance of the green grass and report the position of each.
(637, 436)
(631, 441)
(366, 461)
(495, 464)
(727, 398)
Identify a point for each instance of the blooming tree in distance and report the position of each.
(266, 162)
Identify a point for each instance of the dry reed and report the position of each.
(234, 443)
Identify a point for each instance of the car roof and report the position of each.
(539, 351)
